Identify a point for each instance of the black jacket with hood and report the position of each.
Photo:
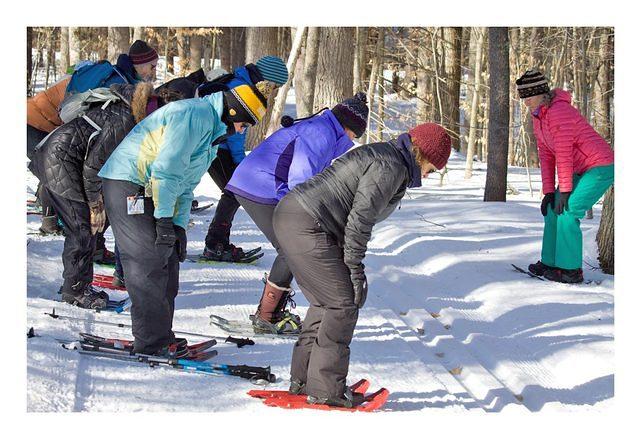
(68, 163)
(360, 189)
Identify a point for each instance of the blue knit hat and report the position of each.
(273, 69)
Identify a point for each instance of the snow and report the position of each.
(448, 324)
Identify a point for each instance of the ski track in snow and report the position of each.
(447, 324)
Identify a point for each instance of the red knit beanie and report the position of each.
(433, 141)
(141, 53)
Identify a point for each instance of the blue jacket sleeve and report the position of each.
(235, 144)
(182, 134)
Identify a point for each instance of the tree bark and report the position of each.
(374, 78)
(260, 41)
(496, 184)
(183, 60)
(138, 34)
(606, 234)
(118, 42)
(225, 48)
(195, 52)
(281, 98)
(239, 48)
(74, 46)
(478, 37)
(359, 58)
(334, 81)
(29, 58)
(453, 52)
(534, 62)
(64, 50)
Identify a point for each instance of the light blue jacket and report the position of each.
(168, 152)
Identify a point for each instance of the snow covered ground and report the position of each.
(448, 323)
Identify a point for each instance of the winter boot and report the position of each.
(104, 256)
(271, 316)
(85, 296)
(297, 387)
(223, 253)
(50, 225)
(348, 400)
(573, 276)
(539, 268)
(281, 312)
(118, 281)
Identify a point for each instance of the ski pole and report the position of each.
(240, 342)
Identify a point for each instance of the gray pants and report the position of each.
(151, 272)
(321, 354)
(262, 215)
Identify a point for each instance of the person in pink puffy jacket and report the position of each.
(582, 160)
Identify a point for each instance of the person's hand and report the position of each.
(546, 200)
(360, 286)
(165, 235)
(97, 216)
(563, 203)
(181, 242)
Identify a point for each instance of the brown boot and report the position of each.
(270, 300)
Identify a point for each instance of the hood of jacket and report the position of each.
(403, 145)
(135, 96)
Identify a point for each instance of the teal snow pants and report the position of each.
(562, 240)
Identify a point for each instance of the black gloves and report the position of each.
(165, 235)
(546, 200)
(181, 236)
(563, 203)
(360, 286)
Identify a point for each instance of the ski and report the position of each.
(239, 327)
(372, 401)
(118, 349)
(239, 342)
(128, 344)
(243, 371)
(250, 256)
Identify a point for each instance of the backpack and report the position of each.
(94, 75)
(76, 105)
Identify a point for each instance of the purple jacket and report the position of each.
(289, 157)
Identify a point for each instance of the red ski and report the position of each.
(105, 281)
(282, 399)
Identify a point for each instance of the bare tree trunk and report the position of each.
(239, 48)
(168, 56)
(374, 77)
(225, 48)
(118, 42)
(359, 58)
(496, 185)
(260, 41)
(195, 52)
(281, 98)
(29, 58)
(64, 50)
(422, 85)
(74, 46)
(606, 234)
(183, 60)
(51, 56)
(453, 36)
(305, 102)
(534, 61)
(138, 34)
(478, 35)
(334, 80)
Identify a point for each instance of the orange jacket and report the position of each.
(42, 109)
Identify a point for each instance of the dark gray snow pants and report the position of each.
(321, 354)
(151, 272)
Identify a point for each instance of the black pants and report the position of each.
(151, 272)
(321, 354)
(221, 170)
(34, 136)
(79, 244)
(262, 216)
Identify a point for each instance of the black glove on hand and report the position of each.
(563, 203)
(181, 237)
(546, 200)
(360, 286)
(165, 236)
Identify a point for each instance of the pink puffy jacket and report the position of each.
(566, 141)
